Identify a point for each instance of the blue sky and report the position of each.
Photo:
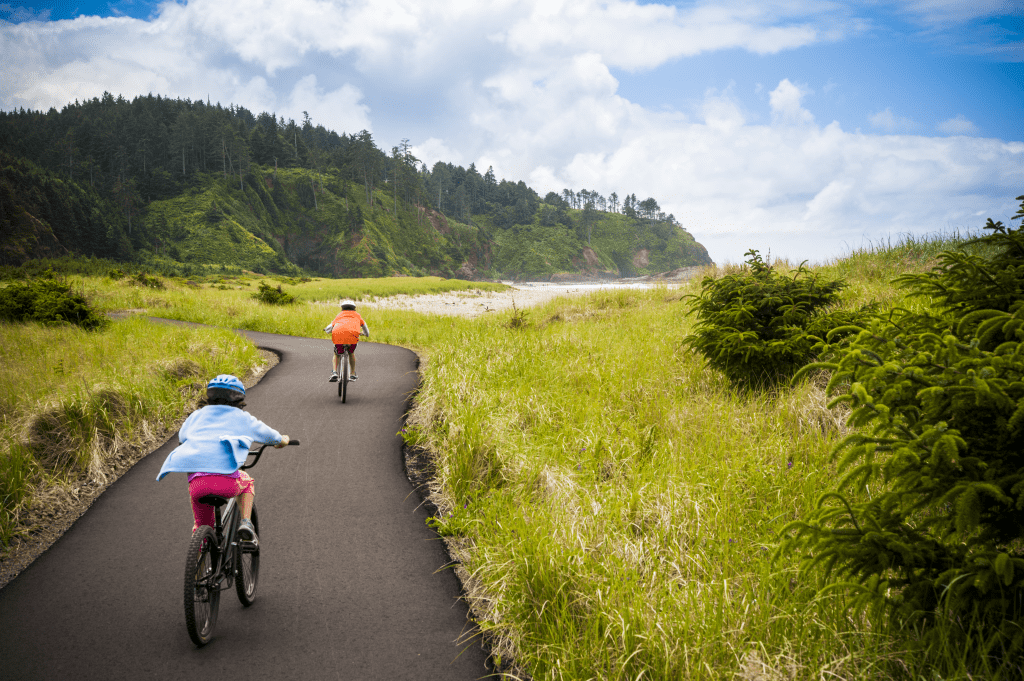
(803, 127)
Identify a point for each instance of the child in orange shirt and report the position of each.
(345, 331)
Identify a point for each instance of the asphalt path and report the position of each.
(353, 584)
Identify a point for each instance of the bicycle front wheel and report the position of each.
(247, 567)
(202, 597)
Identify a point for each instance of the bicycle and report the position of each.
(343, 373)
(217, 559)
(344, 370)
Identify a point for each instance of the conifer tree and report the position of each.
(927, 518)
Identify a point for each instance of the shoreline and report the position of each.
(476, 303)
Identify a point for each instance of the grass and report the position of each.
(620, 505)
(72, 414)
(613, 505)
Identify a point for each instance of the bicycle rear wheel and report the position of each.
(343, 383)
(247, 567)
(202, 597)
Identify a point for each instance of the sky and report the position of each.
(804, 129)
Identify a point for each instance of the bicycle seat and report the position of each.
(212, 500)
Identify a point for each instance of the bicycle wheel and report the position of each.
(202, 597)
(247, 567)
(343, 383)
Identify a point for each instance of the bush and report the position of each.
(273, 295)
(939, 401)
(759, 327)
(47, 300)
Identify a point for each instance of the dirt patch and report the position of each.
(641, 259)
(55, 509)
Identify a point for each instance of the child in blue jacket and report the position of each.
(215, 441)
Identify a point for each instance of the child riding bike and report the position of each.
(345, 331)
(215, 441)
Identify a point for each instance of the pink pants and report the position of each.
(219, 485)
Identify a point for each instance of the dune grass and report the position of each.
(613, 504)
(234, 307)
(78, 405)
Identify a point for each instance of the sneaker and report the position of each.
(352, 377)
(334, 377)
(246, 532)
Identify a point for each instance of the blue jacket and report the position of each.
(216, 439)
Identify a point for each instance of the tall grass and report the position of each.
(234, 306)
(615, 506)
(620, 504)
(79, 405)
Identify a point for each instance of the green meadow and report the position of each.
(614, 506)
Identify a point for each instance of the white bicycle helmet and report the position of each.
(348, 304)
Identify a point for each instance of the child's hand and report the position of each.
(283, 443)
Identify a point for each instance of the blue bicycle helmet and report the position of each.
(228, 382)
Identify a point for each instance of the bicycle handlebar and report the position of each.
(260, 451)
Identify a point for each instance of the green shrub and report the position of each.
(46, 300)
(273, 295)
(759, 327)
(143, 279)
(939, 401)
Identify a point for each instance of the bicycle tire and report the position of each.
(202, 595)
(343, 383)
(247, 567)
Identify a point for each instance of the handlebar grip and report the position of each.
(293, 442)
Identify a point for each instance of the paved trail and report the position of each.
(351, 585)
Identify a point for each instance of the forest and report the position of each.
(180, 185)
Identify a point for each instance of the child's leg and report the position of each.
(335, 362)
(247, 489)
(352, 361)
(245, 504)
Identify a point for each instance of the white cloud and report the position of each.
(337, 110)
(803, 191)
(958, 125)
(433, 150)
(889, 122)
(785, 104)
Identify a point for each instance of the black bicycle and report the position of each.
(343, 373)
(218, 559)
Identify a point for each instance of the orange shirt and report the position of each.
(347, 325)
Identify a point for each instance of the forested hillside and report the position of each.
(181, 184)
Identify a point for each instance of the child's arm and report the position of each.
(366, 330)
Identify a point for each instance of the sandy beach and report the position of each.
(476, 302)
